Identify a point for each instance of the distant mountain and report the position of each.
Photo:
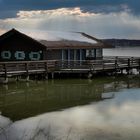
(123, 42)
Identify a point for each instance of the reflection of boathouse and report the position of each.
(36, 98)
(16, 46)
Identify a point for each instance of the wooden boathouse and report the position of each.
(16, 46)
(74, 53)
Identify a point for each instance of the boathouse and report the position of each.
(18, 46)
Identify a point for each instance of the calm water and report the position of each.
(98, 109)
(123, 51)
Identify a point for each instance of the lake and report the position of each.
(105, 108)
(123, 51)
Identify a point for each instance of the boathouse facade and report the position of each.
(71, 50)
(17, 46)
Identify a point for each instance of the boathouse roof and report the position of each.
(13, 32)
(65, 44)
(60, 40)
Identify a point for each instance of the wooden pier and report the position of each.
(45, 67)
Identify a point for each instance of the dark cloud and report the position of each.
(8, 8)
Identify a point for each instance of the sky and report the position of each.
(100, 18)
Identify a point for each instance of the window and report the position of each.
(65, 54)
(34, 56)
(83, 54)
(71, 54)
(99, 52)
(20, 55)
(6, 54)
(78, 55)
(90, 53)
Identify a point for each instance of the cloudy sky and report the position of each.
(100, 18)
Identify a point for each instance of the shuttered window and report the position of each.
(20, 55)
(6, 54)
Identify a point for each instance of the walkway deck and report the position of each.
(108, 64)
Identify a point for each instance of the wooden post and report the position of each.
(5, 74)
(103, 64)
(90, 75)
(128, 69)
(116, 66)
(17, 78)
(46, 71)
(139, 65)
(27, 78)
(27, 72)
(121, 71)
(52, 75)
(132, 61)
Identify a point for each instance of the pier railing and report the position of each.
(48, 66)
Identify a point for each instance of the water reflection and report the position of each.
(23, 100)
(113, 119)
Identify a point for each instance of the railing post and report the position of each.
(46, 70)
(139, 65)
(92, 65)
(52, 75)
(132, 61)
(62, 63)
(5, 73)
(116, 65)
(5, 70)
(103, 64)
(57, 65)
(27, 71)
(128, 66)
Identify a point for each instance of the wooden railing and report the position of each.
(46, 66)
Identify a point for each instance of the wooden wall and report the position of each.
(26, 47)
(17, 43)
(71, 54)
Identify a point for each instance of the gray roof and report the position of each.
(70, 44)
(61, 40)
